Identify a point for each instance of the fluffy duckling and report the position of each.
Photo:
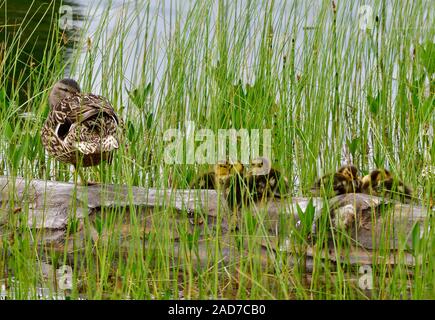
(345, 180)
(81, 129)
(235, 185)
(265, 182)
(215, 179)
(381, 182)
(205, 181)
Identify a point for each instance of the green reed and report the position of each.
(331, 92)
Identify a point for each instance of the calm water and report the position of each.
(163, 15)
(133, 12)
(27, 25)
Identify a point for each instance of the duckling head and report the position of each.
(222, 169)
(352, 181)
(375, 178)
(380, 175)
(259, 166)
(237, 168)
(349, 171)
(365, 181)
(63, 89)
(222, 172)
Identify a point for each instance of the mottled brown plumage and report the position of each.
(345, 180)
(264, 182)
(215, 179)
(81, 129)
(205, 181)
(381, 182)
(235, 186)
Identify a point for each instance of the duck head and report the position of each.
(259, 166)
(237, 168)
(63, 89)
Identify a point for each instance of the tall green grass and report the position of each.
(331, 93)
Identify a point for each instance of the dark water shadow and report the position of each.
(28, 29)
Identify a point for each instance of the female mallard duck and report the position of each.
(345, 180)
(265, 182)
(381, 182)
(81, 129)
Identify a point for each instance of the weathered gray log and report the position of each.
(51, 206)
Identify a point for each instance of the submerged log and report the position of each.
(65, 216)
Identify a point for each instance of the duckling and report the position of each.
(81, 129)
(205, 181)
(235, 185)
(265, 182)
(381, 182)
(222, 171)
(345, 180)
(215, 179)
(373, 179)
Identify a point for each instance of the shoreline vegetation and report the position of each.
(332, 89)
(69, 218)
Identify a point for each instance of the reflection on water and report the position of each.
(120, 28)
(134, 15)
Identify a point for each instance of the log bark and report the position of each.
(50, 207)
